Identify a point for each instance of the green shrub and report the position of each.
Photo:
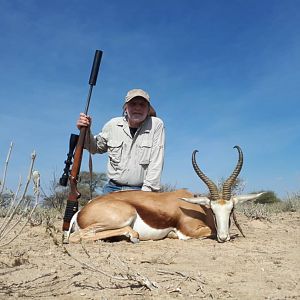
(264, 211)
(58, 194)
(267, 198)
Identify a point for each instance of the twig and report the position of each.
(142, 280)
(24, 201)
(5, 223)
(22, 198)
(92, 268)
(2, 184)
(84, 249)
(20, 231)
(173, 273)
(49, 231)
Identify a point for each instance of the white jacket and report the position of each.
(136, 161)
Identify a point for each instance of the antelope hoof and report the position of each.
(65, 237)
(134, 240)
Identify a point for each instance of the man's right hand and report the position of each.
(84, 121)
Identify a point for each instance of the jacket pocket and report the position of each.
(144, 153)
(115, 152)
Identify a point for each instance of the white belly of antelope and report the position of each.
(147, 232)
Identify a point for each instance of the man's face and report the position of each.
(137, 110)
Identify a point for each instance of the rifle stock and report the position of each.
(74, 194)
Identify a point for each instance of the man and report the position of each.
(134, 143)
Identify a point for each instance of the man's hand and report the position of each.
(84, 121)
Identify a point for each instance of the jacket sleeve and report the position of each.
(154, 170)
(97, 143)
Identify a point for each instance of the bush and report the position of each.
(292, 203)
(59, 194)
(264, 211)
(256, 211)
(167, 188)
(267, 198)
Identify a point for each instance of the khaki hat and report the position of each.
(137, 93)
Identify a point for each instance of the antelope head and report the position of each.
(222, 203)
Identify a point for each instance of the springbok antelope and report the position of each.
(143, 215)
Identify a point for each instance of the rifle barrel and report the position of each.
(95, 67)
(93, 77)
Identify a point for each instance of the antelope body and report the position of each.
(143, 215)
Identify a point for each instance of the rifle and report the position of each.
(77, 143)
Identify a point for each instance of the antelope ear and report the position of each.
(197, 200)
(244, 198)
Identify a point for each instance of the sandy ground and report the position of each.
(264, 265)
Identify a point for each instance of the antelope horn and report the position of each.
(211, 186)
(226, 193)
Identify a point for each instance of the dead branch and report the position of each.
(2, 184)
(22, 206)
(137, 278)
(49, 228)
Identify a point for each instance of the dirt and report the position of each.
(264, 265)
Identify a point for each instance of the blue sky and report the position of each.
(219, 73)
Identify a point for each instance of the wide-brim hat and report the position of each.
(137, 93)
(140, 93)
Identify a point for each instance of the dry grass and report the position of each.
(259, 211)
(17, 208)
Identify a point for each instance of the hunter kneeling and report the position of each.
(134, 143)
